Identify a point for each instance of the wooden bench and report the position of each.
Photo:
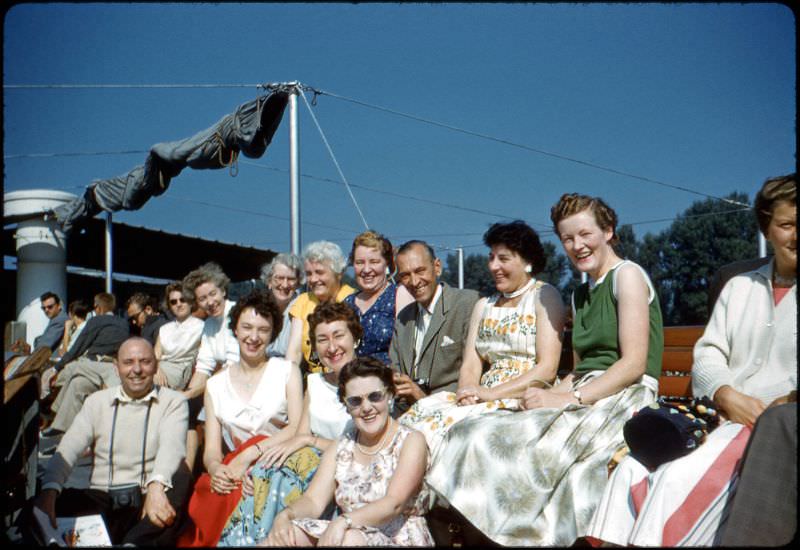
(676, 362)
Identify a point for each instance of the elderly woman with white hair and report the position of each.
(324, 264)
(282, 276)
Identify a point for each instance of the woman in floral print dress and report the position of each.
(516, 333)
(374, 473)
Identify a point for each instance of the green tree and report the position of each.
(682, 259)
(476, 273)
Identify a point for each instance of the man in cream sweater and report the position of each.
(137, 433)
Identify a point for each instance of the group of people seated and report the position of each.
(341, 416)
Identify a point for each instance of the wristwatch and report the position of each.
(577, 395)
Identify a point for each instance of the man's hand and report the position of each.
(46, 502)
(407, 388)
(738, 407)
(157, 507)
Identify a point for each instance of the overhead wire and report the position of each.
(520, 146)
(344, 181)
(335, 162)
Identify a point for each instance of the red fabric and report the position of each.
(209, 512)
(639, 493)
(717, 477)
(779, 292)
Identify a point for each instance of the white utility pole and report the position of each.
(460, 266)
(294, 171)
(109, 253)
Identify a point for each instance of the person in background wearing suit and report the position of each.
(429, 334)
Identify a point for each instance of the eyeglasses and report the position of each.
(46, 307)
(174, 301)
(356, 401)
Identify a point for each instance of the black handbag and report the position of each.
(664, 431)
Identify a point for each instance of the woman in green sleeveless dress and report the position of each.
(534, 477)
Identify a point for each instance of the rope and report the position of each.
(333, 157)
(525, 147)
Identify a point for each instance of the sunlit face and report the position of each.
(586, 244)
(419, 274)
(334, 344)
(178, 305)
(51, 308)
(370, 417)
(782, 234)
(211, 298)
(136, 365)
(254, 333)
(370, 268)
(321, 280)
(507, 268)
(283, 282)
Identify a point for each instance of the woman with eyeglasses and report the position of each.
(282, 276)
(251, 406)
(178, 340)
(285, 471)
(374, 473)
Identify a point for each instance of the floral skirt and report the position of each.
(533, 477)
(436, 414)
(274, 489)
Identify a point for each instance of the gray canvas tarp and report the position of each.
(248, 130)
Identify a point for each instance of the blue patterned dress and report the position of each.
(378, 324)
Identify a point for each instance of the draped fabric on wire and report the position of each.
(248, 130)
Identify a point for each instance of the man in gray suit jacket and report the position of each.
(429, 334)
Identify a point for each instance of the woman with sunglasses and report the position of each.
(250, 406)
(178, 340)
(374, 474)
(285, 470)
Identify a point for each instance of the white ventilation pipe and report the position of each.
(41, 253)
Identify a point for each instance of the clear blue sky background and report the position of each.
(698, 96)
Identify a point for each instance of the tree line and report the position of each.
(681, 260)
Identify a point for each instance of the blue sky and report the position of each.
(700, 96)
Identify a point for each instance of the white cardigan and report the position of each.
(749, 343)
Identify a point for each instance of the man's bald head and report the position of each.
(136, 365)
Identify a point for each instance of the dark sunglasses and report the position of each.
(355, 401)
(48, 308)
(174, 301)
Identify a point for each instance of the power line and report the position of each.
(73, 154)
(335, 162)
(521, 146)
(122, 86)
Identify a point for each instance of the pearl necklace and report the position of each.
(519, 291)
(382, 443)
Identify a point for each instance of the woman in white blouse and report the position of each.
(178, 340)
